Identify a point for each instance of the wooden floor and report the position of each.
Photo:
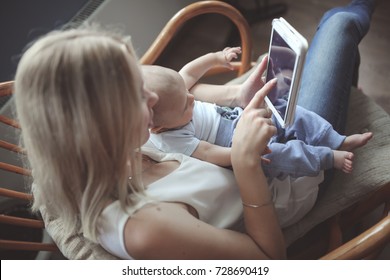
(212, 33)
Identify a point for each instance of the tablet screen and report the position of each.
(281, 65)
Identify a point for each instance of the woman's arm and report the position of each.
(232, 95)
(251, 136)
(169, 231)
(194, 70)
(222, 95)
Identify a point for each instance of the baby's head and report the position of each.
(175, 105)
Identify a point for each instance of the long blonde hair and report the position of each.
(78, 100)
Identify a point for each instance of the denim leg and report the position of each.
(296, 159)
(331, 65)
(331, 62)
(312, 129)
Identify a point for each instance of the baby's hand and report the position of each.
(227, 55)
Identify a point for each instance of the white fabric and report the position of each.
(111, 226)
(184, 140)
(212, 191)
(294, 197)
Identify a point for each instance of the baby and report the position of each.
(204, 130)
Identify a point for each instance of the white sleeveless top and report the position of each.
(212, 191)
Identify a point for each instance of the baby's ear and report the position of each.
(158, 129)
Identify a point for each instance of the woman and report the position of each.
(85, 113)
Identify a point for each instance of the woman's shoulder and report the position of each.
(152, 227)
(112, 223)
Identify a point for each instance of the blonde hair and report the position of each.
(78, 100)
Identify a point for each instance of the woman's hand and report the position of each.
(253, 84)
(254, 128)
(252, 134)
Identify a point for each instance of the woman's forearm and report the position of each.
(253, 131)
(261, 222)
(222, 95)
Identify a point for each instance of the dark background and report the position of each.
(22, 21)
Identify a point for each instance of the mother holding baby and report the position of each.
(85, 113)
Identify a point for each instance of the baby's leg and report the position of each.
(343, 160)
(355, 141)
(313, 130)
(296, 159)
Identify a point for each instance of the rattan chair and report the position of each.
(337, 226)
(21, 231)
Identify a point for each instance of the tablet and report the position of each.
(286, 56)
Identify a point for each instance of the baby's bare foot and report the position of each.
(343, 161)
(355, 141)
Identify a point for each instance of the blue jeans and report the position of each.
(333, 60)
(331, 63)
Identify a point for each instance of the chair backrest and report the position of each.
(201, 8)
(21, 234)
